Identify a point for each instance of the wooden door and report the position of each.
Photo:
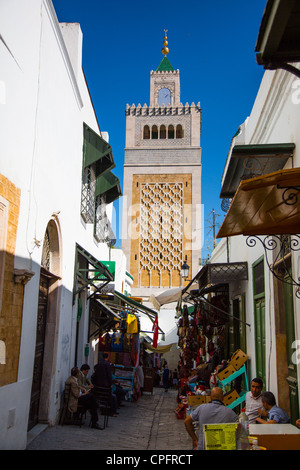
(260, 338)
(39, 351)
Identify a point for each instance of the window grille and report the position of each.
(88, 194)
(46, 252)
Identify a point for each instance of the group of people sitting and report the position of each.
(260, 408)
(81, 389)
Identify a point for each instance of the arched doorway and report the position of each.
(47, 317)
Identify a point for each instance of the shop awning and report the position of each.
(248, 161)
(278, 41)
(96, 150)
(266, 205)
(135, 304)
(108, 185)
(217, 274)
(138, 306)
(88, 271)
(169, 296)
(102, 318)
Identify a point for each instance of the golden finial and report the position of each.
(165, 49)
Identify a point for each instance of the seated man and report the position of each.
(214, 412)
(253, 400)
(276, 414)
(102, 377)
(85, 399)
(83, 381)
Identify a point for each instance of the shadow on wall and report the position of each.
(23, 292)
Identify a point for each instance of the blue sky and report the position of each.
(211, 43)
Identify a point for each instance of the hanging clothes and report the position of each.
(117, 341)
(132, 324)
(107, 340)
(155, 332)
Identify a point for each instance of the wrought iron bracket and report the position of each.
(279, 246)
(290, 194)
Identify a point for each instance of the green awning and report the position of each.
(96, 150)
(108, 185)
(88, 271)
(135, 304)
(142, 308)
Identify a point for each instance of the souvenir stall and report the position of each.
(203, 364)
(124, 343)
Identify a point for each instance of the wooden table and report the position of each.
(276, 436)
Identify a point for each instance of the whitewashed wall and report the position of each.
(274, 118)
(44, 101)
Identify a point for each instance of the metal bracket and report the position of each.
(280, 245)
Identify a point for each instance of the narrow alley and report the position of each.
(148, 424)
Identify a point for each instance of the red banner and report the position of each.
(155, 332)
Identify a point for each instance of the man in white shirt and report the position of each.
(254, 400)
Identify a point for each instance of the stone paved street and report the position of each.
(148, 424)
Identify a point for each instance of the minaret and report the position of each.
(162, 185)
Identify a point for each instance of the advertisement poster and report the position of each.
(220, 436)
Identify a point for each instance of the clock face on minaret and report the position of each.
(164, 96)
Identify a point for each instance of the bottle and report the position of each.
(244, 420)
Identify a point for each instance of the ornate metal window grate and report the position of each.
(88, 194)
(215, 273)
(46, 252)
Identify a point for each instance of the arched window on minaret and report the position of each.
(171, 133)
(146, 132)
(154, 132)
(179, 131)
(162, 132)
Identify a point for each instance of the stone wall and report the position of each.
(11, 292)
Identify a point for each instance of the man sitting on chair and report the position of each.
(85, 399)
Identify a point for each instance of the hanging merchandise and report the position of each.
(101, 344)
(107, 341)
(117, 341)
(208, 331)
(126, 343)
(132, 324)
(123, 322)
(201, 316)
(155, 332)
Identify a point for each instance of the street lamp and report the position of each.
(185, 270)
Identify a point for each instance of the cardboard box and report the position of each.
(238, 359)
(226, 372)
(196, 400)
(230, 397)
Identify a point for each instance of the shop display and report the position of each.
(201, 339)
(123, 348)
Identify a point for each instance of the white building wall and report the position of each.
(41, 120)
(274, 118)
